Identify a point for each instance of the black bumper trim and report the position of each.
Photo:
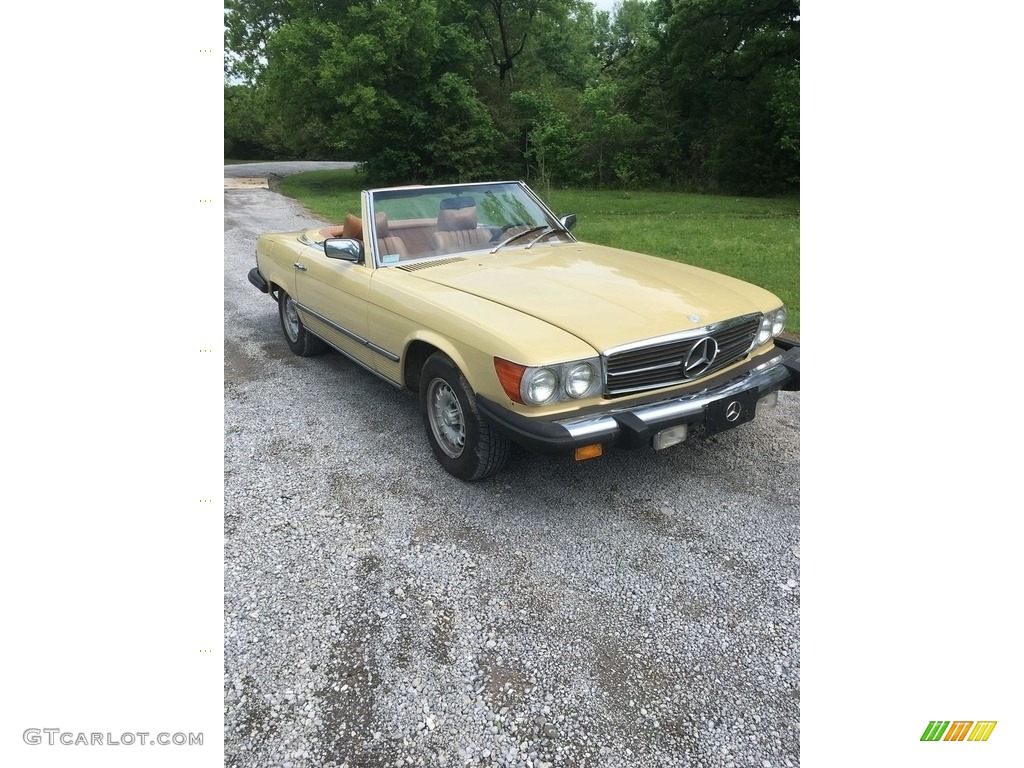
(545, 437)
(792, 363)
(257, 279)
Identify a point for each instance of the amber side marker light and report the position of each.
(588, 452)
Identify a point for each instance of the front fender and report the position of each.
(404, 310)
(276, 263)
(477, 366)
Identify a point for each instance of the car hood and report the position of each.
(604, 296)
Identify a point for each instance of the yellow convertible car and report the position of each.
(477, 298)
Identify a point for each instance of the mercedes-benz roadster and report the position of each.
(477, 298)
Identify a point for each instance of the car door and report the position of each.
(332, 296)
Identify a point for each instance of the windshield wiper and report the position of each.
(516, 236)
(548, 231)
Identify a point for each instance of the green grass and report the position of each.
(754, 239)
(328, 194)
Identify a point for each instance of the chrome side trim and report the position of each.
(769, 374)
(358, 362)
(354, 336)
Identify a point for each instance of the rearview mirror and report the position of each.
(568, 221)
(346, 248)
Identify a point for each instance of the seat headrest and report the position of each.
(353, 227)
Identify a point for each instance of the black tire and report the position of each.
(300, 341)
(465, 445)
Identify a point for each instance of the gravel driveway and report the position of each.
(642, 609)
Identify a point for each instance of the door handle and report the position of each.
(300, 265)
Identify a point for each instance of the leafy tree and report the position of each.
(562, 52)
(785, 106)
(703, 93)
(610, 141)
(618, 36)
(722, 64)
(390, 84)
(547, 147)
(507, 25)
(243, 124)
(248, 27)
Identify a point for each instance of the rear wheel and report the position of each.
(465, 445)
(301, 341)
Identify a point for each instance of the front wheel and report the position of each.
(465, 445)
(300, 341)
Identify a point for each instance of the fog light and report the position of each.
(669, 437)
(767, 402)
(588, 452)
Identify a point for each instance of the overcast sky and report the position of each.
(604, 5)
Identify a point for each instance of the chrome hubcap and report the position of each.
(291, 320)
(445, 415)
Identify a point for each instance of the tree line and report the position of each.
(699, 94)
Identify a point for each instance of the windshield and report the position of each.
(424, 222)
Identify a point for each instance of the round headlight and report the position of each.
(765, 331)
(780, 321)
(541, 386)
(579, 379)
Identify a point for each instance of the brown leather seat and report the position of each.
(456, 226)
(388, 245)
(352, 227)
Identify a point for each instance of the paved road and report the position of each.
(638, 610)
(242, 170)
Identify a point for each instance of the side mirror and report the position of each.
(568, 221)
(346, 248)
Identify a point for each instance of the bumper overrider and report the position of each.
(257, 279)
(724, 402)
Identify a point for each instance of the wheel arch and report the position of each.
(420, 348)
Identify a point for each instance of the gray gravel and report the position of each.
(638, 610)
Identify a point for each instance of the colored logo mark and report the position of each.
(958, 730)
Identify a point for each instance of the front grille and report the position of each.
(661, 362)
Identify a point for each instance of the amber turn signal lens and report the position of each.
(510, 376)
(589, 452)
